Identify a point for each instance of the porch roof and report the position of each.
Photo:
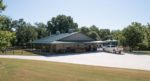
(62, 42)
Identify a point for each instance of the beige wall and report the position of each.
(76, 47)
(57, 47)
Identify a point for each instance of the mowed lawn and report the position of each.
(28, 70)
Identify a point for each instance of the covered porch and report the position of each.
(66, 47)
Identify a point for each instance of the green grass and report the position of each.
(141, 52)
(27, 70)
(18, 52)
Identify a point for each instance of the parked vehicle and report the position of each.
(112, 47)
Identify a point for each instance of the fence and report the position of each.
(22, 51)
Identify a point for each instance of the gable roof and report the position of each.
(54, 38)
(77, 37)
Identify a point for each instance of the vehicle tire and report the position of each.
(103, 49)
(114, 51)
(119, 52)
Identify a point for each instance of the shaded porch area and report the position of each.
(66, 47)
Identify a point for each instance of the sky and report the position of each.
(112, 14)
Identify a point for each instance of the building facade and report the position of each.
(65, 42)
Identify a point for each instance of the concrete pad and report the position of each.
(130, 61)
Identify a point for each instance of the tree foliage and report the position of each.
(84, 30)
(2, 6)
(92, 31)
(5, 39)
(5, 23)
(94, 28)
(118, 35)
(25, 32)
(133, 34)
(41, 30)
(104, 34)
(148, 35)
(94, 35)
(61, 23)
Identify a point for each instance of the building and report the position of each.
(65, 42)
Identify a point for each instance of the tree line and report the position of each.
(134, 37)
(21, 33)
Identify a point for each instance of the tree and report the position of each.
(5, 39)
(2, 6)
(61, 23)
(41, 30)
(19, 25)
(84, 30)
(5, 23)
(148, 35)
(25, 32)
(133, 35)
(94, 35)
(118, 35)
(144, 44)
(104, 34)
(94, 28)
(91, 32)
(30, 32)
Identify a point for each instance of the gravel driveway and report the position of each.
(130, 61)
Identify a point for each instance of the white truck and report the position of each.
(113, 49)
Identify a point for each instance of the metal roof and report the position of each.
(52, 38)
(62, 42)
(110, 41)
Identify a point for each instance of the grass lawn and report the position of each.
(18, 52)
(27, 70)
(141, 52)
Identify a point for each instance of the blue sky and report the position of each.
(112, 14)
